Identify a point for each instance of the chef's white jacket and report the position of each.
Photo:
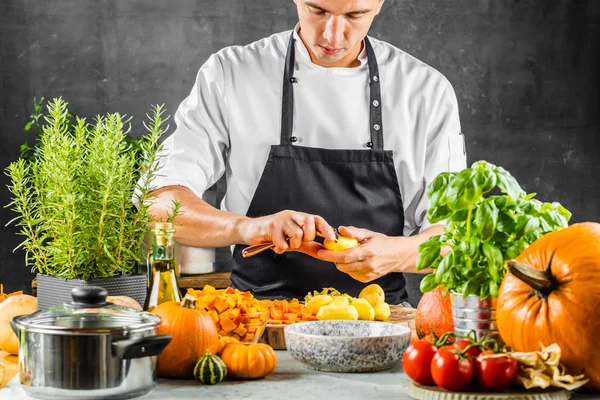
(233, 115)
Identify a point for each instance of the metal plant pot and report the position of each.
(475, 314)
(88, 349)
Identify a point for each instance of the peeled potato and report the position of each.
(382, 311)
(340, 300)
(317, 302)
(373, 293)
(365, 310)
(342, 243)
(333, 311)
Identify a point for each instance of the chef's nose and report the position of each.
(334, 29)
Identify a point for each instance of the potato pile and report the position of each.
(329, 304)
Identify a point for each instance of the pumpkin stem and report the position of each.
(542, 282)
(188, 301)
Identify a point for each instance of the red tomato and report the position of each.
(464, 343)
(496, 373)
(451, 372)
(416, 361)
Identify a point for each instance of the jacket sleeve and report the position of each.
(445, 151)
(193, 156)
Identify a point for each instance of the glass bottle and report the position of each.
(161, 267)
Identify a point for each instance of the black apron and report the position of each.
(346, 187)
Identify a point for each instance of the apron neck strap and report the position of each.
(287, 107)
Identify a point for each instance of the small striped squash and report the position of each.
(210, 369)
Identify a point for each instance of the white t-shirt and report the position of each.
(233, 115)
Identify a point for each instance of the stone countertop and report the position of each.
(290, 381)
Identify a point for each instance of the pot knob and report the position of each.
(88, 296)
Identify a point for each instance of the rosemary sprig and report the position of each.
(74, 197)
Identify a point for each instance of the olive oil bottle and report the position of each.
(161, 267)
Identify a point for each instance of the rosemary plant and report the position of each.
(74, 198)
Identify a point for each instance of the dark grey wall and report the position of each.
(525, 73)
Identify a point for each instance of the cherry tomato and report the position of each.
(416, 361)
(451, 372)
(464, 343)
(496, 373)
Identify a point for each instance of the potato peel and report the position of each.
(541, 369)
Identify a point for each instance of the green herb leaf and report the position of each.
(486, 218)
(508, 185)
(428, 283)
(429, 251)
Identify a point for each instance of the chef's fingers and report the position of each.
(343, 257)
(359, 234)
(360, 271)
(294, 233)
(324, 228)
(307, 223)
(280, 240)
(310, 248)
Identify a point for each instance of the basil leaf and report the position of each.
(494, 258)
(440, 213)
(429, 251)
(446, 263)
(471, 287)
(428, 283)
(486, 218)
(514, 250)
(493, 289)
(462, 192)
(508, 184)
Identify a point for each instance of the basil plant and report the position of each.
(489, 219)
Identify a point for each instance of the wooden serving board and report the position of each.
(274, 334)
(421, 392)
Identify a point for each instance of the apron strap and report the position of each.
(287, 106)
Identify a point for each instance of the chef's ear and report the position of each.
(378, 7)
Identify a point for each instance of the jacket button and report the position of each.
(293, 139)
(369, 144)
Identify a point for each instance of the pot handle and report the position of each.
(140, 347)
(14, 326)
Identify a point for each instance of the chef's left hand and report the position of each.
(376, 255)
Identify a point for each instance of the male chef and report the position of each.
(315, 128)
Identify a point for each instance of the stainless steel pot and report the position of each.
(88, 349)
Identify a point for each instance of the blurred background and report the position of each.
(525, 74)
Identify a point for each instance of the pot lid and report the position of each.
(88, 313)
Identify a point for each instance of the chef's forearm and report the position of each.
(409, 264)
(198, 224)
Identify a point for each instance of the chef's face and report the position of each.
(333, 30)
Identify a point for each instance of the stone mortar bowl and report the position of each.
(347, 346)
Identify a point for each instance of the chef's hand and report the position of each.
(289, 230)
(375, 256)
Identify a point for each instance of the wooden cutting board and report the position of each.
(274, 334)
(421, 392)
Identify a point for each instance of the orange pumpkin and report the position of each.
(124, 301)
(551, 294)
(434, 312)
(193, 333)
(248, 360)
(223, 340)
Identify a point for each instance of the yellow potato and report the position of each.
(340, 301)
(317, 302)
(373, 293)
(365, 310)
(342, 243)
(333, 311)
(382, 311)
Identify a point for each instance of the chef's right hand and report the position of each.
(289, 230)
